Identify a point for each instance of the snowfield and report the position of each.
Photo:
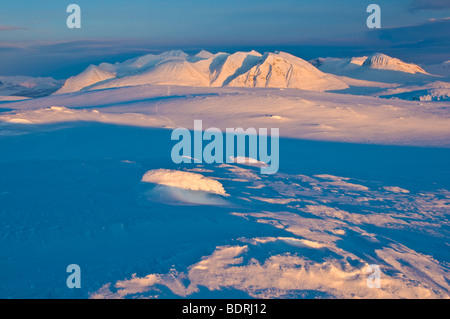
(364, 179)
(299, 114)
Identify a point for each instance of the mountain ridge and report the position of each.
(240, 69)
(249, 69)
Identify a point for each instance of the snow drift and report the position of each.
(185, 180)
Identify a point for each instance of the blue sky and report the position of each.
(112, 30)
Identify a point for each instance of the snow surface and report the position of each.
(87, 178)
(298, 114)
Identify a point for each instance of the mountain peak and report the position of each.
(283, 70)
(174, 54)
(385, 62)
(204, 54)
(91, 75)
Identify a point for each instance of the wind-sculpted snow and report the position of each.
(186, 180)
(278, 276)
(183, 188)
(333, 229)
(60, 114)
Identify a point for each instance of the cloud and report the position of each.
(62, 59)
(433, 30)
(10, 28)
(429, 5)
(427, 42)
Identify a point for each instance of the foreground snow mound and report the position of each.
(384, 62)
(91, 75)
(186, 180)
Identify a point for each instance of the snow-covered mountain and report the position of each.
(91, 75)
(287, 71)
(434, 91)
(377, 67)
(226, 67)
(442, 69)
(240, 69)
(142, 63)
(375, 75)
(377, 61)
(381, 61)
(28, 86)
(252, 69)
(337, 65)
